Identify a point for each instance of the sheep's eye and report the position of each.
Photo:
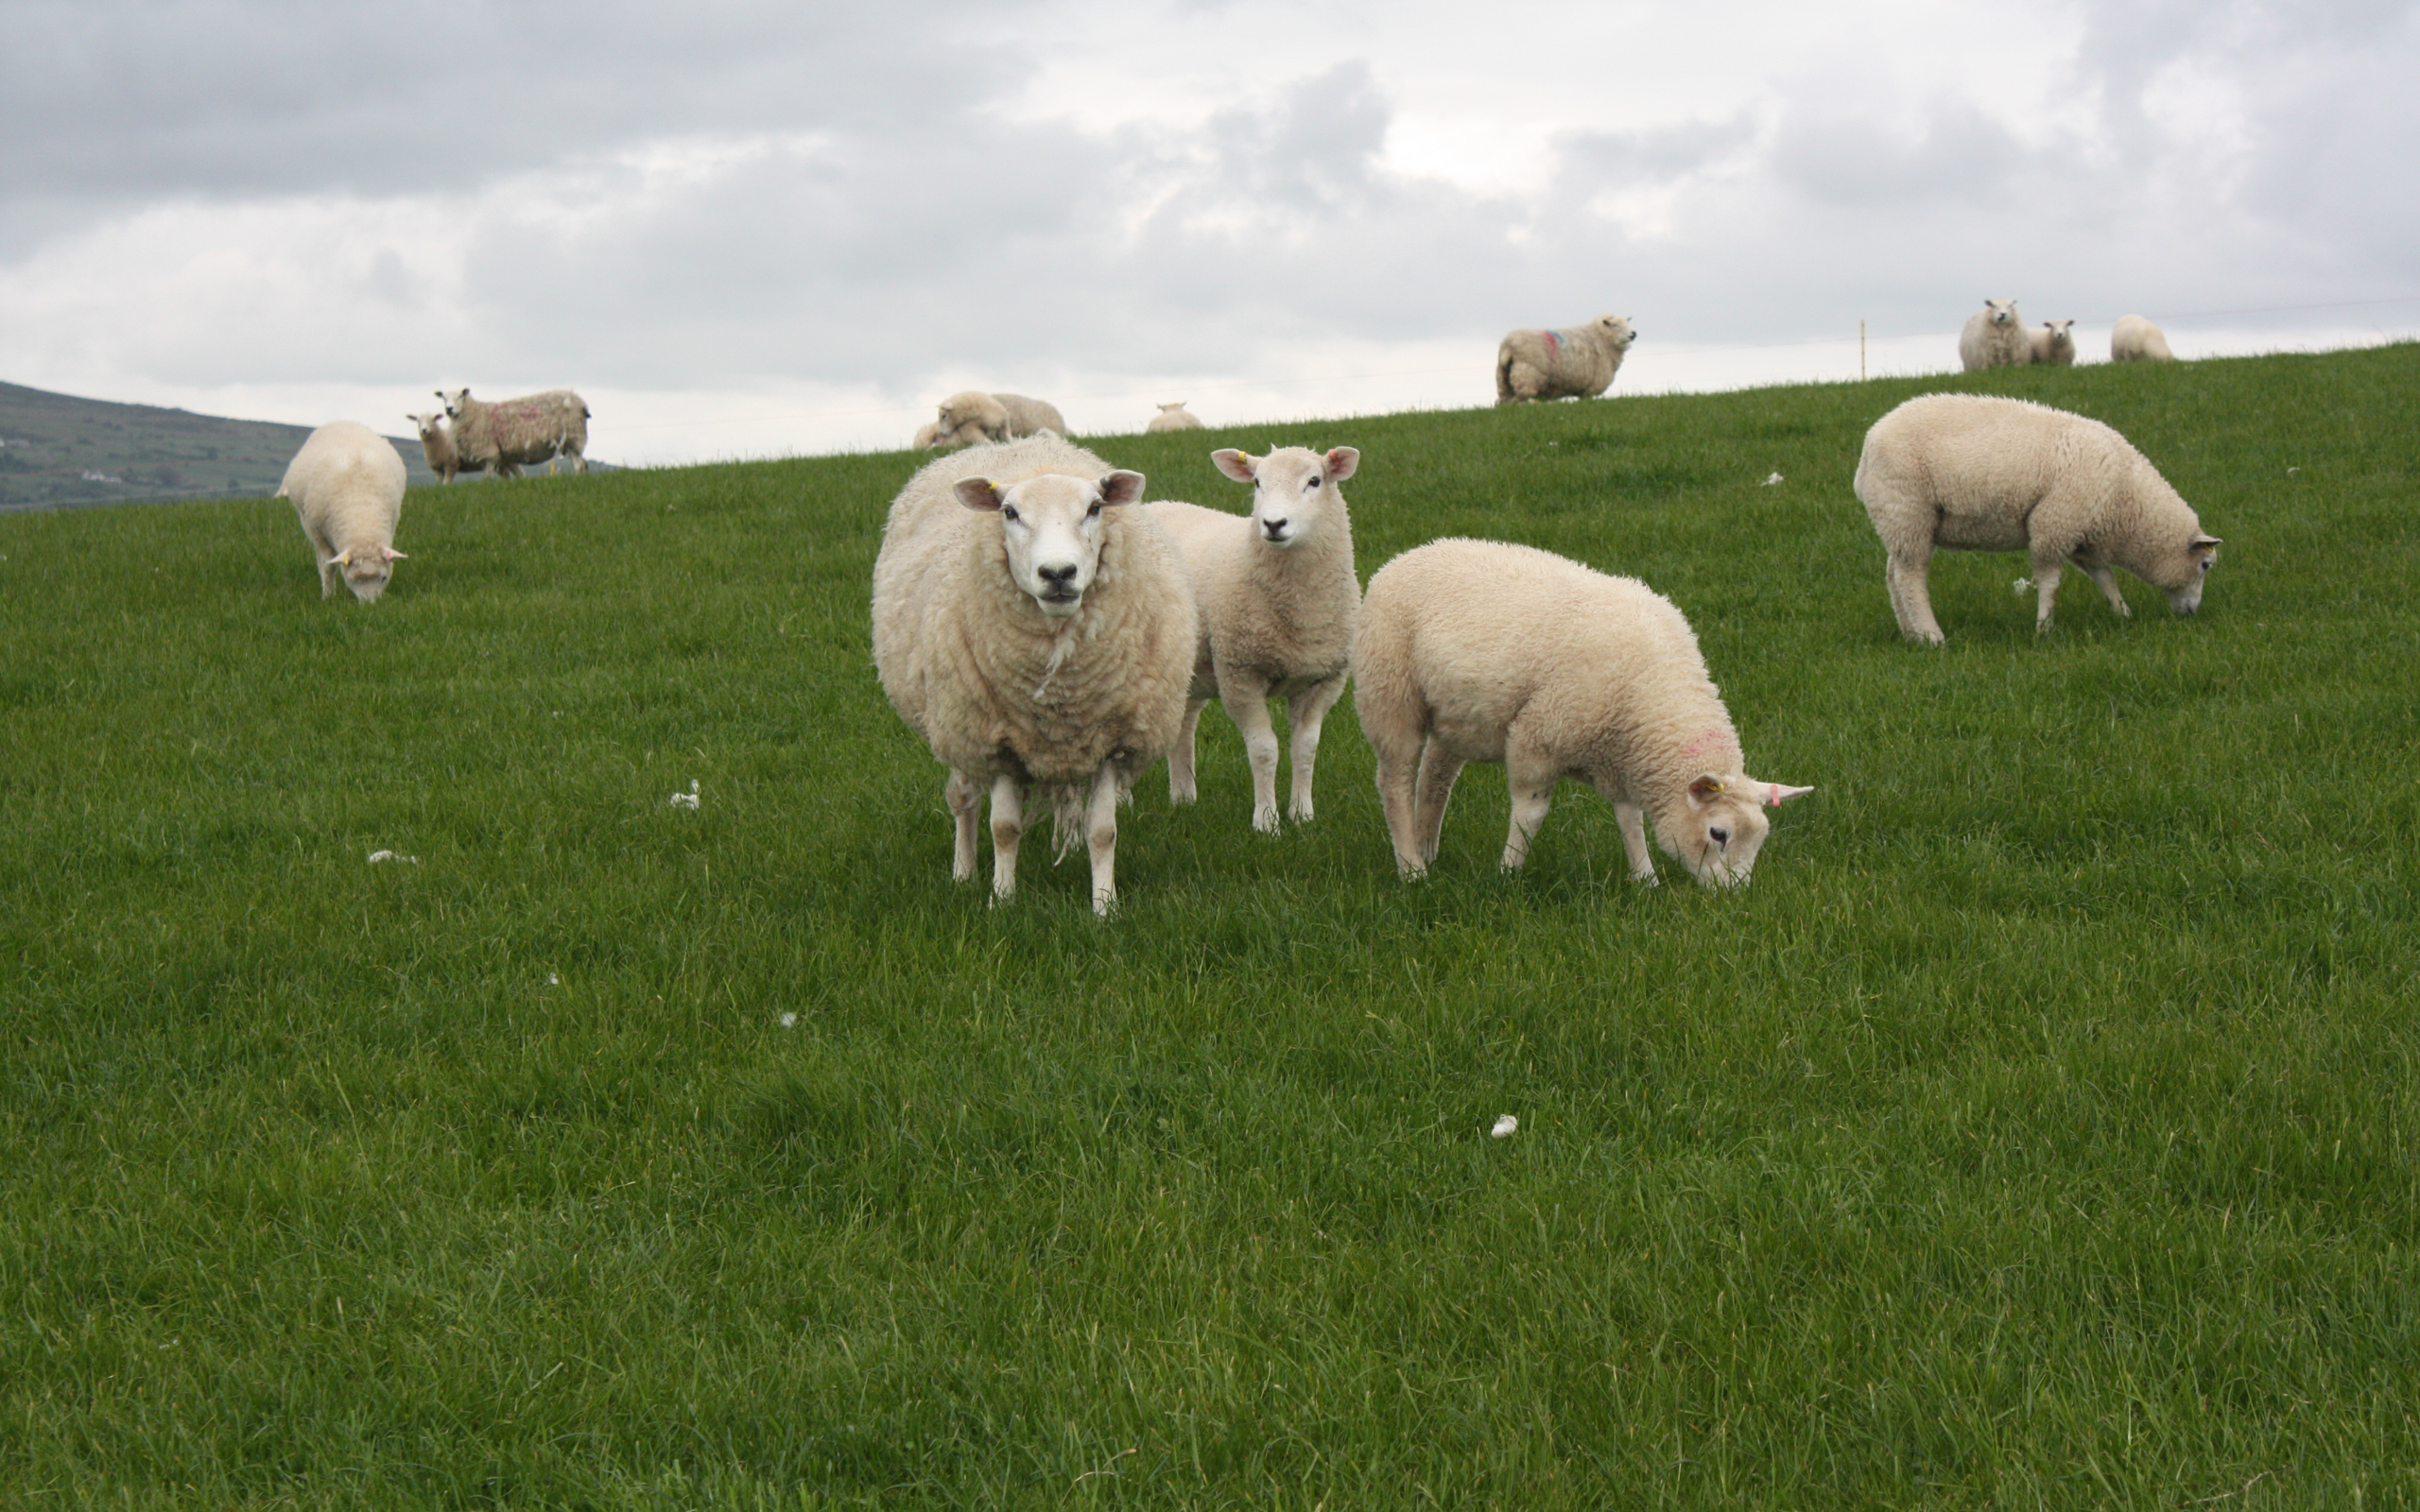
(1008, 511)
(1312, 483)
(1093, 513)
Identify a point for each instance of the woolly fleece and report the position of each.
(1535, 364)
(1994, 337)
(347, 484)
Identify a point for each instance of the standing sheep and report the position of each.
(1036, 632)
(1994, 337)
(973, 416)
(512, 433)
(1174, 418)
(1480, 652)
(437, 446)
(347, 484)
(2054, 345)
(1278, 601)
(2136, 339)
(1969, 473)
(1535, 365)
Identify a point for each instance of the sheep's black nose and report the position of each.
(1276, 528)
(1057, 576)
(1719, 836)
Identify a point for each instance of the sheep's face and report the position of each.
(2003, 311)
(1725, 826)
(1053, 527)
(1615, 328)
(2183, 584)
(366, 570)
(433, 428)
(1294, 495)
(2061, 335)
(453, 402)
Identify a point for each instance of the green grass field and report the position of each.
(2037, 1131)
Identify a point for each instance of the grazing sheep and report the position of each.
(2054, 345)
(1278, 601)
(1535, 365)
(1036, 632)
(971, 418)
(513, 433)
(1968, 473)
(2136, 339)
(1994, 337)
(1174, 418)
(1480, 652)
(347, 484)
(436, 445)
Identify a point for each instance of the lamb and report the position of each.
(1278, 600)
(512, 432)
(1174, 418)
(1969, 473)
(1994, 337)
(1038, 634)
(2054, 345)
(436, 445)
(1535, 365)
(1480, 651)
(971, 418)
(2136, 339)
(347, 484)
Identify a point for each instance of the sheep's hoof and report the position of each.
(1646, 879)
(1300, 814)
(1181, 799)
(1264, 820)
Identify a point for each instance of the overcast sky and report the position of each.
(752, 228)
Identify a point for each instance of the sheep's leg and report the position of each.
(1633, 826)
(1101, 837)
(1305, 713)
(2046, 570)
(2107, 581)
(1181, 789)
(1007, 827)
(1246, 700)
(1531, 784)
(1398, 776)
(963, 796)
(1437, 773)
(1911, 598)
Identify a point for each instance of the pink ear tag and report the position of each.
(1772, 795)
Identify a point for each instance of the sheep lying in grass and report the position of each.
(347, 484)
(511, 433)
(1037, 633)
(1968, 473)
(2054, 345)
(1480, 652)
(928, 435)
(1278, 601)
(1994, 337)
(1535, 364)
(1174, 418)
(436, 445)
(971, 418)
(2136, 339)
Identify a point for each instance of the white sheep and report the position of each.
(437, 446)
(1036, 632)
(1278, 599)
(1994, 337)
(1970, 472)
(928, 435)
(1535, 364)
(512, 433)
(347, 484)
(2054, 345)
(2136, 339)
(1174, 418)
(973, 416)
(1480, 651)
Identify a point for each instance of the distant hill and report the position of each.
(58, 451)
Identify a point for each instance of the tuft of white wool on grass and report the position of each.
(2053, 345)
(379, 857)
(1039, 635)
(686, 800)
(1575, 364)
(1278, 603)
(511, 433)
(437, 446)
(347, 484)
(2136, 339)
(1994, 337)
(1504, 1127)
(1972, 473)
(1772, 480)
(1483, 651)
(1174, 418)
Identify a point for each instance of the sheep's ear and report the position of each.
(978, 494)
(1706, 789)
(2201, 545)
(1236, 465)
(1342, 462)
(392, 555)
(1121, 487)
(1777, 794)
(343, 559)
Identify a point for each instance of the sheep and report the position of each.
(2136, 339)
(347, 484)
(1994, 337)
(1535, 365)
(2054, 345)
(437, 446)
(506, 435)
(1037, 633)
(1970, 472)
(1481, 651)
(1278, 599)
(928, 435)
(1174, 418)
(973, 416)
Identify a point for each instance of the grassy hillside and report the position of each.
(2038, 1130)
